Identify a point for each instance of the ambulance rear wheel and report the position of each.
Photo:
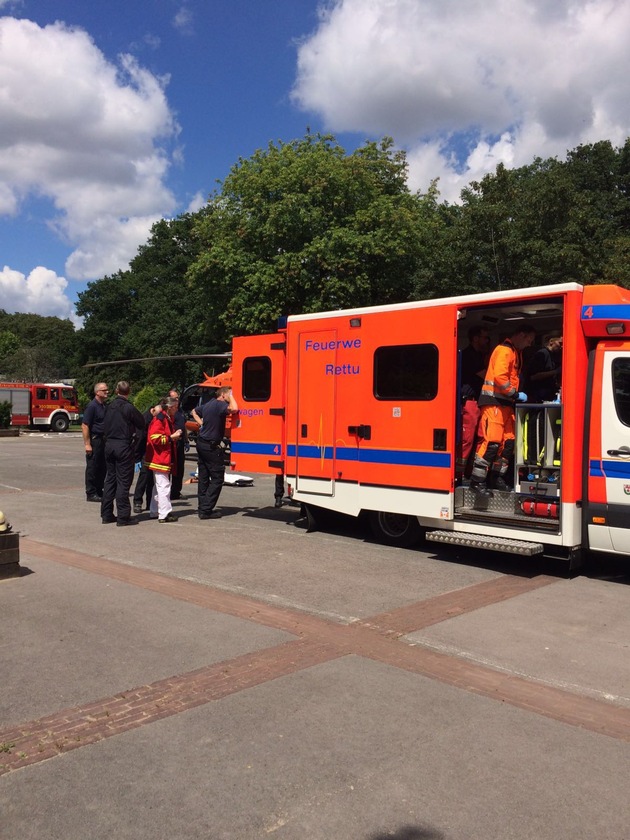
(396, 529)
(59, 423)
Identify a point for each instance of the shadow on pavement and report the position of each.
(611, 569)
(410, 832)
(601, 567)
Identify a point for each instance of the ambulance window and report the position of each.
(54, 393)
(621, 389)
(406, 372)
(41, 393)
(257, 378)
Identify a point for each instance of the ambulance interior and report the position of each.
(534, 471)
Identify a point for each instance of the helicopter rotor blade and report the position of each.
(161, 359)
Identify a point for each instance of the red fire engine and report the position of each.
(360, 410)
(41, 404)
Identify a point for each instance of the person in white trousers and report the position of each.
(161, 459)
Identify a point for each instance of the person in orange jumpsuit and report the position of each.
(499, 393)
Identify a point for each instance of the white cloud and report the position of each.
(198, 201)
(90, 136)
(42, 293)
(464, 86)
(183, 21)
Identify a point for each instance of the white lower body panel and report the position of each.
(436, 510)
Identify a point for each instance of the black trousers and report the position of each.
(95, 467)
(211, 474)
(177, 477)
(144, 487)
(119, 459)
(279, 486)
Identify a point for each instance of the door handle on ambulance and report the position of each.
(362, 431)
(624, 450)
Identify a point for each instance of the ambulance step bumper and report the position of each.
(522, 547)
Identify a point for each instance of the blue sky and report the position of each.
(113, 115)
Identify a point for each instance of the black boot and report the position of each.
(480, 488)
(497, 482)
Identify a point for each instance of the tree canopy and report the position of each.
(303, 226)
(36, 347)
(149, 310)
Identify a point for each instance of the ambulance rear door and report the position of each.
(258, 364)
(607, 514)
(407, 418)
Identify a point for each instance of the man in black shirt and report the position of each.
(92, 429)
(543, 375)
(123, 423)
(210, 450)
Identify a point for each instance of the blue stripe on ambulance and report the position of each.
(613, 312)
(610, 469)
(245, 448)
(374, 456)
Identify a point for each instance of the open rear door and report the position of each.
(405, 424)
(608, 482)
(258, 364)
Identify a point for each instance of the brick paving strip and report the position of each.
(319, 640)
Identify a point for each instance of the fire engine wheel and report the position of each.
(395, 528)
(59, 423)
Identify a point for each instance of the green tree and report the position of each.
(301, 227)
(5, 414)
(147, 311)
(545, 223)
(9, 345)
(36, 346)
(150, 395)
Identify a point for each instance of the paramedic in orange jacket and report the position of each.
(499, 393)
(161, 459)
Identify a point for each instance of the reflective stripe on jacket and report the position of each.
(501, 382)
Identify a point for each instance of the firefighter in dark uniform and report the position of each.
(92, 430)
(123, 423)
(210, 450)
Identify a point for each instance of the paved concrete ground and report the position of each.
(240, 678)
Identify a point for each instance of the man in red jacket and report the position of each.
(161, 459)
